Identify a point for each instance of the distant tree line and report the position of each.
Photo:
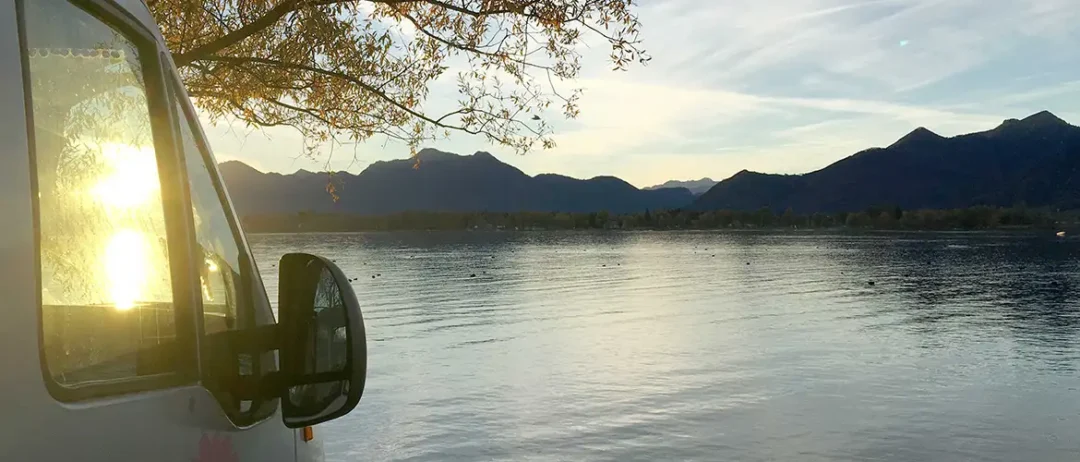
(887, 218)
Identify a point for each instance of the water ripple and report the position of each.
(709, 346)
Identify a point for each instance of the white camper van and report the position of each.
(134, 325)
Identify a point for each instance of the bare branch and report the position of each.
(353, 80)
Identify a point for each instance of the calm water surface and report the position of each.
(707, 346)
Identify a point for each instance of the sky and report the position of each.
(776, 86)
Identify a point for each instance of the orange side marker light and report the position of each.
(309, 434)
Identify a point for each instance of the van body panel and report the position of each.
(182, 422)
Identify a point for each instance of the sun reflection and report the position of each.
(126, 267)
(132, 179)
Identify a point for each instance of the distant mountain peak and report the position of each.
(1043, 119)
(690, 181)
(694, 186)
(1032, 124)
(608, 179)
(1008, 123)
(234, 163)
(918, 135)
(429, 154)
(237, 166)
(749, 173)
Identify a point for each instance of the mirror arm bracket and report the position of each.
(272, 385)
(259, 339)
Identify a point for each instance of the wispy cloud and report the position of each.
(886, 45)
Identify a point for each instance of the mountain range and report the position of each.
(438, 181)
(1034, 161)
(696, 187)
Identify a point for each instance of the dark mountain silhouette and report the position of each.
(695, 186)
(1035, 161)
(441, 181)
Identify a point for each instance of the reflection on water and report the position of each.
(704, 346)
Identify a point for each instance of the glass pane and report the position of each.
(220, 269)
(224, 299)
(327, 336)
(331, 342)
(106, 289)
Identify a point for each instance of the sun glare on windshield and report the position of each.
(129, 184)
(126, 267)
(132, 181)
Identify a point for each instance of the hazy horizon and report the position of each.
(356, 167)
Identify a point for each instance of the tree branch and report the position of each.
(452, 7)
(466, 48)
(276, 13)
(348, 78)
(272, 16)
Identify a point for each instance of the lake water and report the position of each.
(709, 346)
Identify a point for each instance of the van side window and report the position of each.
(215, 239)
(108, 311)
(226, 291)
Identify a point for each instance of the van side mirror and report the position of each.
(323, 343)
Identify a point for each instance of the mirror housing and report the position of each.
(323, 346)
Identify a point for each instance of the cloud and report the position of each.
(625, 114)
(617, 115)
(791, 85)
(653, 132)
(734, 42)
(780, 86)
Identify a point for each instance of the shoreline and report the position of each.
(778, 231)
(892, 218)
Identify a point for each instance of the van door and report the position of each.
(233, 301)
(141, 279)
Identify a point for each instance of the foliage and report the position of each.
(361, 68)
(967, 219)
